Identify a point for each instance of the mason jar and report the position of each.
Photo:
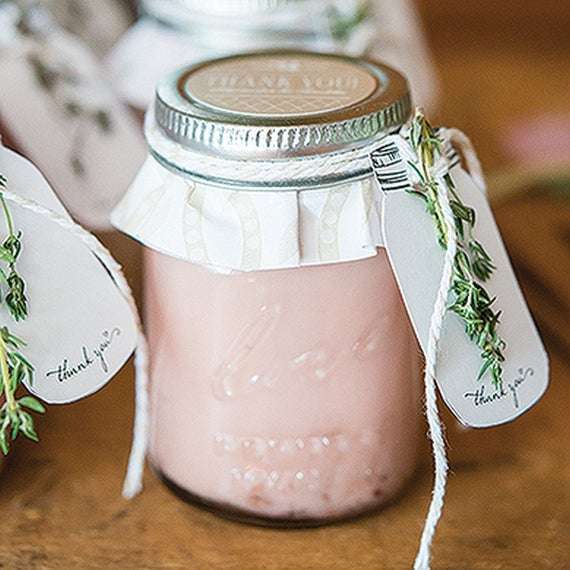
(285, 382)
(175, 33)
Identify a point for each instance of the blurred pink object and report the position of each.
(539, 140)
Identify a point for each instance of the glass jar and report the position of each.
(285, 381)
(174, 33)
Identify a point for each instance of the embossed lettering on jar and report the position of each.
(285, 386)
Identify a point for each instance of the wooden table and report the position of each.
(508, 504)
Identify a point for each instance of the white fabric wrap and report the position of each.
(250, 230)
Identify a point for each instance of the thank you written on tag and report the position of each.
(68, 369)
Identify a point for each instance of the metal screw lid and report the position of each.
(281, 104)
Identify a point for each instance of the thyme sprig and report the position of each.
(10, 249)
(473, 265)
(342, 25)
(15, 417)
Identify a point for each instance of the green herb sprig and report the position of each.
(15, 417)
(342, 25)
(473, 266)
(10, 249)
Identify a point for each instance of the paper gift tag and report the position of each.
(80, 330)
(417, 260)
(55, 105)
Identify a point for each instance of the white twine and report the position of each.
(389, 173)
(308, 168)
(339, 164)
(464, 145)
(436, 435)
(133, 480)
(462, 142)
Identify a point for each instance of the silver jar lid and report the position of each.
(280, 104)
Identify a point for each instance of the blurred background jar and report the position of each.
(57, 109)
(285, 381)
(173, 33)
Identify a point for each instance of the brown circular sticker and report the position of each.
(280, 85)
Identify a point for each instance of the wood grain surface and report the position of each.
(508, 505)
